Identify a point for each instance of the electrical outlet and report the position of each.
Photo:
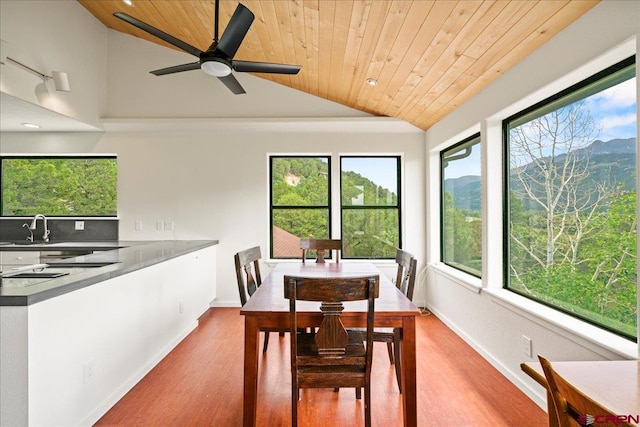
(79, 225)
(89, 371)
(168, 225)
(159, 225)
(526, 345)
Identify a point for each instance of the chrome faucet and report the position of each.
(30, 238)
(32, 227)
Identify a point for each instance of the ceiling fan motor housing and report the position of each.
(215, 66)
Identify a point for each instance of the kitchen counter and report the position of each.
(126, 256)
(72, 346)
(56, 246)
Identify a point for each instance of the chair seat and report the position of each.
(379, 334)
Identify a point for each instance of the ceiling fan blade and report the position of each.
(237, 28)
(159, 33)
(264, 67)
(232, 84)
(177, 69)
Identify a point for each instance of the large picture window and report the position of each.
(460, 195)
(570, 179)
(59, 186)
(370, 206)
(300, 209)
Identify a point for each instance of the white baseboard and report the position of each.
(218, 303)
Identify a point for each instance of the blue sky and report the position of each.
(615, 111)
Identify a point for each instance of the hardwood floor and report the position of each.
(200, 384)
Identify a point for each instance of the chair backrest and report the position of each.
(406, 275)
(573, 407)
(320, 245)
(331, 338)
(248, 272)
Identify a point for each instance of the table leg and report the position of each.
(250, 400)
(408, 365)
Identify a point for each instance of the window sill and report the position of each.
(461, 278)
(583, 333)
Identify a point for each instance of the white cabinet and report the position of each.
(10, 259)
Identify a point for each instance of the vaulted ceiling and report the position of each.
(428, 57)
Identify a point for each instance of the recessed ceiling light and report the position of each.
(372, 82)
(128, 2)
(30, 125)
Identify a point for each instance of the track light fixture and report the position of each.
(60, 78)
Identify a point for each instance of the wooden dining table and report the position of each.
(269, 308)
(614, 384)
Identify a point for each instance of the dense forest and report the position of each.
(59, 186)
(300, 199)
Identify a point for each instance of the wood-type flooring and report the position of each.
(200, 384)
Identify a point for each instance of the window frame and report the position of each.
(578, 91)
(59, 157)
(285, 207)
(398, 207)
(472, 140)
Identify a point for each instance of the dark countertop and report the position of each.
(66, 246)
(127, 256)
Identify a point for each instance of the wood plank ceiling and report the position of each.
(428, 57)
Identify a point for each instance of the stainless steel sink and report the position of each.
(81, 264)
(36, 275)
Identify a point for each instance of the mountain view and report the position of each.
(602, 154)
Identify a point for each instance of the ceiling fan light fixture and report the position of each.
(372, 82)
(216, 67)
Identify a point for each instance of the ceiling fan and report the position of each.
(217, 60)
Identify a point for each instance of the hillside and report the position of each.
(602, 156)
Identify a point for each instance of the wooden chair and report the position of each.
(572, 407)
(249, 279)
(405, 281)
(332, 357)
(320, 246)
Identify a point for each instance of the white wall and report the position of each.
(493, 320)
(55, 36)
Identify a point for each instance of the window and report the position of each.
(370, 206)
(59, 186)
(570, 180)
(300, 194)
(461, 219)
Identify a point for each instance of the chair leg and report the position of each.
(396, 351)
(367, 405)
(266, 342)
(295, 396)
(390, 351)
(359, 393)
